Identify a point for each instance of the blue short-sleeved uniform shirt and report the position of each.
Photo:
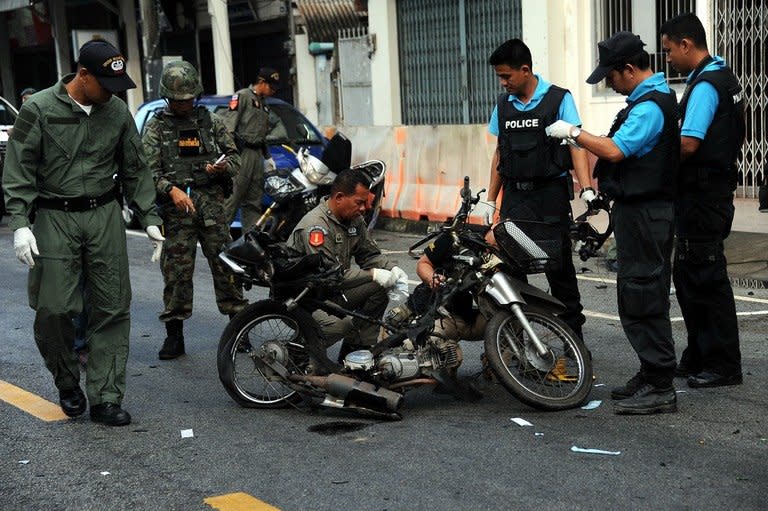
(567, 111)
(641, 131)
(702, 104)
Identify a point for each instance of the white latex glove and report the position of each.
(384, 278)
(153, 233)
(559, 129)
(588, 195)
(485, 210)
(25, 244)
(400, 276)
(269, 165)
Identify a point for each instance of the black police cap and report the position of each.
(106, 64)
(614, 51)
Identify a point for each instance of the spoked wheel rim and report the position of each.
(273, 336)
(558, 375)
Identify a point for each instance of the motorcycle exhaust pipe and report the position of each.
(354, 392)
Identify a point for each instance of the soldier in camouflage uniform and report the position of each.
(336, 229)
(248, 119)
(68, 144)
(183, 144)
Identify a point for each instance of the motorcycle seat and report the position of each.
(291, 268)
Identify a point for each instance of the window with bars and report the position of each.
(614, 15)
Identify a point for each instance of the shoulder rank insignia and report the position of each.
(352, 231)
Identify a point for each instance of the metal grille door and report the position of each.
(355, 77)
(741, 38)
(444, 49)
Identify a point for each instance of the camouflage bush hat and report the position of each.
(180, 81)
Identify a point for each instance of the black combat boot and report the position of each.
(173, 347)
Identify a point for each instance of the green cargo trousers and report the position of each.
(248, 188)
(92, 244)
(370, 299)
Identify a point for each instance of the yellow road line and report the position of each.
(238, 502)
(30, 403)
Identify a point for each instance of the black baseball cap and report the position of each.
(269, 75)
(106, 64)
(614, 51)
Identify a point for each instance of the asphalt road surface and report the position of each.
(444, 454)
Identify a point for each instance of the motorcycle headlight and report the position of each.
(280, 188)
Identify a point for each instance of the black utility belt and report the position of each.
(533, 185)
(76, 204)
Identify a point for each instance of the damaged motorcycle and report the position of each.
(272, 354)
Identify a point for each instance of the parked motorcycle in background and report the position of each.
(292, 192)
(273, 354)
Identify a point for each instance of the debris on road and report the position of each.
(592, 404)
(594, 451)
(520, 422)
(187, 433)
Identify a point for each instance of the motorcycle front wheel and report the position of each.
(558, 380)
(264, 330)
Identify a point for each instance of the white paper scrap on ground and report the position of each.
(594, 451)
(187, 433)
(520, 422)
(539, 434)
(105, 473)
(23, 462)
(599, 385)
(592, 405)
(680, 391)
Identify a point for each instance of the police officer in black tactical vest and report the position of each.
(637, 168)
(532, 169)
(712, 132)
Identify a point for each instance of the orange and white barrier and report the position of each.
(426, 165)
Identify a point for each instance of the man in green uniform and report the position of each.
(336, 229)
(248, 119)
(69, 144)
(193, 159)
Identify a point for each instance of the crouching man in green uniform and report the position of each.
(335, 228)
(68, 144)
(193, 159)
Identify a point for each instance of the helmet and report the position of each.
(180, 81)
(315, 170)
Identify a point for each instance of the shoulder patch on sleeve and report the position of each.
(233, 101)
(317, 234)
(23, 125)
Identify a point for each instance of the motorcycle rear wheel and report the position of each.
(560, 380)
(264, 328)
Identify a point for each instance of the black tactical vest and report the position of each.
(188, 143)
(653, 175)
(526, 153)
(722, 143)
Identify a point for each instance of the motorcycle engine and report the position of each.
(399, 364)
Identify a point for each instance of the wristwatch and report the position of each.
(575, 132)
